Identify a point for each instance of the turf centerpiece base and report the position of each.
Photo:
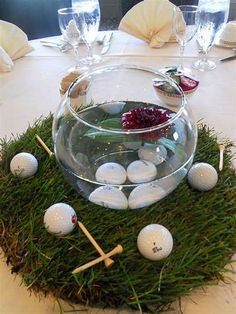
(203, 226)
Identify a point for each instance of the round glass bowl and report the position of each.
(117, 142)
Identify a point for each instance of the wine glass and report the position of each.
(212, 17)
(70, 33)
(184, 28)
(87, 19)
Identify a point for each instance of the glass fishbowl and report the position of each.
(118, 142)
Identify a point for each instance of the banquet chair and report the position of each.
(128, 4)
(37, 18)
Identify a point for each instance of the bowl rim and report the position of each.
(121, 67)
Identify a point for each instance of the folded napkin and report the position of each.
(151, 21)
(13, 43)
(228, 35)
(6, 63)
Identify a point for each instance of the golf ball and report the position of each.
(145, 194)
(23, 165)
(113, 107)
(140, 171)
(60, 219)
(202, 176)
(154, 153)
(155, 242)
(111, 172)
(109, 197)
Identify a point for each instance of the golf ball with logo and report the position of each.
(60, 219)
(155, 242)
(24, 165)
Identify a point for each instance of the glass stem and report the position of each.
(76, 53)
(181, 67)
(90, 54)
(204, 57)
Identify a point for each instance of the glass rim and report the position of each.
(121, 67)
(187, 6)
(66, 10)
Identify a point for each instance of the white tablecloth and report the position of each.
(31, 90)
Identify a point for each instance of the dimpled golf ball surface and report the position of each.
(24, 165)
(60, 219)
(155, 242)
(202, 176)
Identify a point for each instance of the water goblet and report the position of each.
(87, 19)
(212, 17)
(184, 28)
(70, 33)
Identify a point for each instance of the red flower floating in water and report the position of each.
(145, 117)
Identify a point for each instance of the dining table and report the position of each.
(32, 90)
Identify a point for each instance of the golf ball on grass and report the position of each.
(155, 242)
(202, 176)
(60, 219)
(24, 165)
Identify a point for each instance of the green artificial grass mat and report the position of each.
(203, 225)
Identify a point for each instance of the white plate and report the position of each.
(221, 44)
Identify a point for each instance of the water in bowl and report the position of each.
(94, 136)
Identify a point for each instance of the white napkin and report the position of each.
(151, 21)
(228, 34)
(13, 43)
(6, 63)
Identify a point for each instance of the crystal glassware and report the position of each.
(88, 20)
(212, 17)
(184, 28)
(70, 33)
(123, 147)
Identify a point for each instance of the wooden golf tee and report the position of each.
(117, 250)
(108, 261)
(41, 142)
(222, 148)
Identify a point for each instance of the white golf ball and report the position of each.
(145, 194)
(156, 154)
(141, 171)
(111, 172)
(24, 165)
(113, 107)
(109, 197)
(155, 242)
(60, 219)
(202, 176)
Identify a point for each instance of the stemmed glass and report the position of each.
(184, 28)
(213, 15)
(70, 33)
(87, 20)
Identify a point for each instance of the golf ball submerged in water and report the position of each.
(111, 173)
(24, 165)
(109, 197)
(141, 171)
(60, 219)
(202, 176)
(155, 242)
(154, 153)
